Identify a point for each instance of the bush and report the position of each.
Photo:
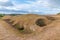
(20, 28)
(41, 22)
(50, 18)
(58, 13)
(1, 15)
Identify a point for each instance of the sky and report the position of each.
(30, 6)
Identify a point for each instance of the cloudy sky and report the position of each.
(30, 6)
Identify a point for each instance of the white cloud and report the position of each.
(4, 0)
(11, 8)
(33, 11)
(36, 11)
(33, 6)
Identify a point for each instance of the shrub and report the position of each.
(58, 13)
(50, 18)
(1, 15)
(41, 22)
(20, 28)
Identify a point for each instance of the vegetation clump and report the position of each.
(1, 15)
(19, 27)
(41, 22)
(58, 13)
(50, 18)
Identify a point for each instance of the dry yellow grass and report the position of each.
(51, 31)
(28, 22)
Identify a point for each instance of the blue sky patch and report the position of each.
(30, 6)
